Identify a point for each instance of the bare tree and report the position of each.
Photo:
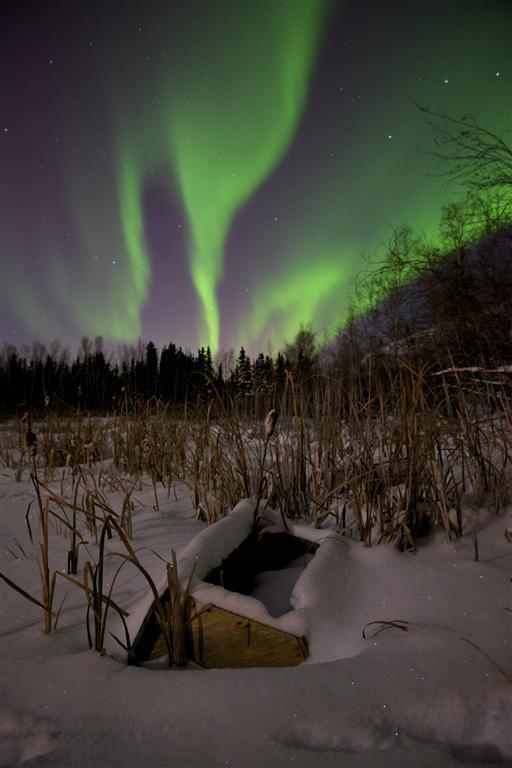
(471, 154)
(302, 353)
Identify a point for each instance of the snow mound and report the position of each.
(212, 545)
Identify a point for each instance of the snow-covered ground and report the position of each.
(428, 696)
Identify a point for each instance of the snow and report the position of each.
(421, 697)
(211, 546)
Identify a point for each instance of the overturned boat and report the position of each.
(242, 587)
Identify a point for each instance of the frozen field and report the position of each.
(436, 694)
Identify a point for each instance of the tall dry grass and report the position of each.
(387, 455)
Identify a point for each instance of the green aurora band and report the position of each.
(367, 187)
(294, 299)
(207, 113)
(236, 94)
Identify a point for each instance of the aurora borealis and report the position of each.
(232, 113)
(215, 172)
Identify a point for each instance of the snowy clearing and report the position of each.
(431, 695)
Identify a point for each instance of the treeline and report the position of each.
(37, 379)
(431, 309)
(434, 308)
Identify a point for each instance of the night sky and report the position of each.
(214, 172)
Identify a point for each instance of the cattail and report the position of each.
(270, 422)
(30, 442)
(30, 437)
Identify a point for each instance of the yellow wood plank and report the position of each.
(217, 638)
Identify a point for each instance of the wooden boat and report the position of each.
(225, 624)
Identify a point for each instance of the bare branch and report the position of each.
(473, 155)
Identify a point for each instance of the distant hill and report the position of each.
(454, 309)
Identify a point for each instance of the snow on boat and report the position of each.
(245, 587)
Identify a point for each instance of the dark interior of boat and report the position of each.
(258, 553)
